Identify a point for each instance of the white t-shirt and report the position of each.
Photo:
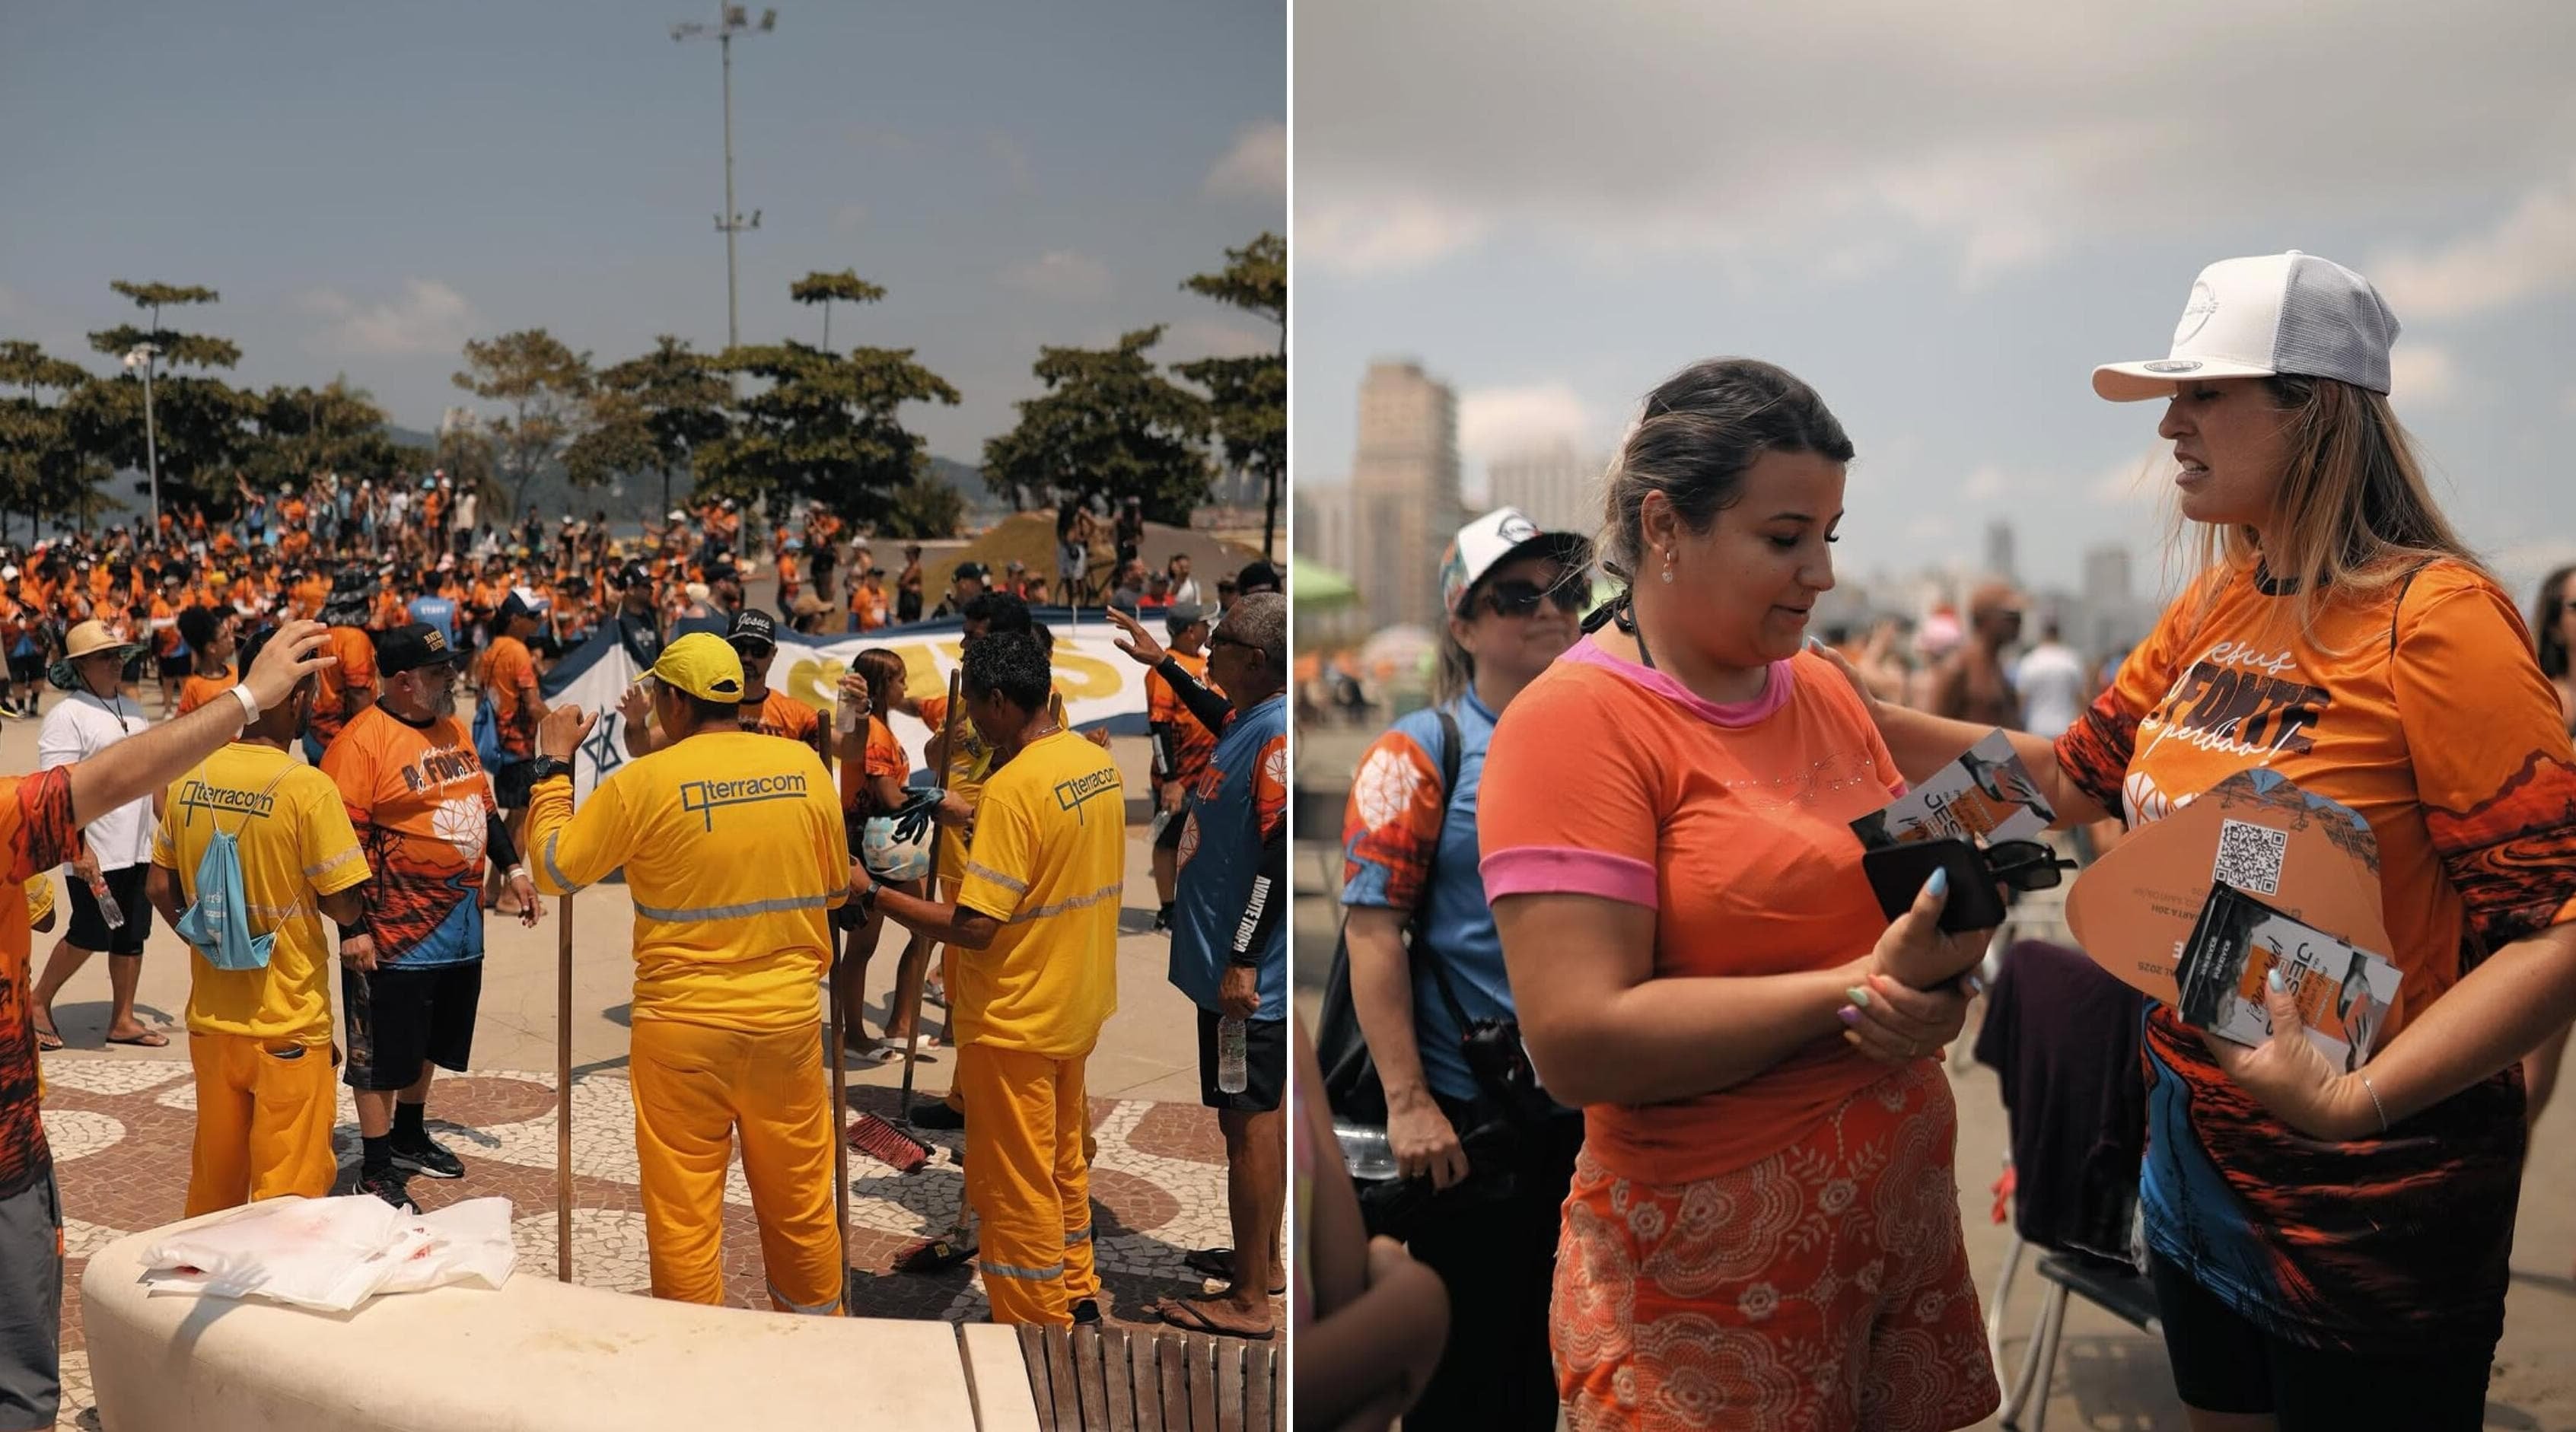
(79, 727)
(2051, 682)
(1185, 592)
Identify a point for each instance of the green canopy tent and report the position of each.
(1313, 587)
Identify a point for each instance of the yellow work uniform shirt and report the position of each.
(1049, 860)
(970, 765)
(296, 845)
(734, 855)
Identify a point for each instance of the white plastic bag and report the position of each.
(335, 1253)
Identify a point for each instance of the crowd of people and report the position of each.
(1622, 845)
(314, 787)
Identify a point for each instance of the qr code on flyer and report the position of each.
(2249, 857)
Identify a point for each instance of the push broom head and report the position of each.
(887, 1144)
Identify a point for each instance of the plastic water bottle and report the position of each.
(1365, 1152)
(1233, 1052)
(845, 717)
(108, 909)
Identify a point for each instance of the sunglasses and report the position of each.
(2026, 865)
(1519, 598)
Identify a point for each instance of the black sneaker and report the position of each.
(428, 1159)
(1163, 921)
(936, 1116)
(389, 1187)
(1086, 1311)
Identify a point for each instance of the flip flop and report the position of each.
(148, 1039)
(1218, 1263)
(1190, 1316)
(47, 1041)
(933, 1255)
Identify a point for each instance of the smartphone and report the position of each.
(1897, 873)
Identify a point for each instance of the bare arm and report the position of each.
(1603, 1028)
(150, 759)
(957, 925)
(344, 907)
(161, 887)
(1923, 743)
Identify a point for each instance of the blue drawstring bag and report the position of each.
(487, 735)
(217, 923)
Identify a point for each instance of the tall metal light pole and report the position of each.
(141, 356)
(731, 20)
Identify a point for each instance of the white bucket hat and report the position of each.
(2277, 314)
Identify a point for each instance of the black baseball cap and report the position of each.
(976, 571)
(1257, 577)
(634, 575)
(412, 646)
(752, 625)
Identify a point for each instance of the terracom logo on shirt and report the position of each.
(1070, 795)
(706, 797)
(197, 795)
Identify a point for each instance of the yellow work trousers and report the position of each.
(695, 1088)
(1029, 1182)
(264, 1113)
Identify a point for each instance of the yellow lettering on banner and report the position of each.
(1084, 678)
(922, 675)
(816, 682)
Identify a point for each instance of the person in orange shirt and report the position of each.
(1181, 749)
(508, 678)
(390, 609)
(351, 686)
(19, 646)
(209, 633)
(873, 768)
(788, 585)
(169, 649)
(868, 602)
(753, 634)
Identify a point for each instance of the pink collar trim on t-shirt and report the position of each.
(1775, 690)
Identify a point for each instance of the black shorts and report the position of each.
(89, 929)
(26, 670)
(400, 1018)
(1170, 836)
(1265, 1065)
(2223, 1362)
(511, 783)
(176, 668)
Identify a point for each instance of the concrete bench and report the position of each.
(537, 1355)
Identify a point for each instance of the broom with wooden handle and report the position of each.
(948, 1022)
(877, 1137)
(563, 1090)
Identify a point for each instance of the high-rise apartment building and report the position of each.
(1404, 492)
(1555, 486)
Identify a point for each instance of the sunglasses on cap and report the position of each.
(1521, 598)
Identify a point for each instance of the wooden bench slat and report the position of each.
(1230, 1407)
(1174, 1356)
(1033, 1353)
(1090, 1376)
(1060, 1377)
(1117, 1379)
(1202, 1354)
(1144, 1355)
(1260, 1369)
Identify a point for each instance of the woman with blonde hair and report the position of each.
(1763, 1229)
(2329, 1247)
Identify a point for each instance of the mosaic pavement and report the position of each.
(121, 1126)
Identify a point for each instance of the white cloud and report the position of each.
(1986, 484)
(2422, 375)
(1061, 275)
(1382, 234)
(2529, 253)
(427, 317)
(1494, 422)
(2138, 481)
(1256, 167)
(848, 220)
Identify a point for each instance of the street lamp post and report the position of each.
(731, 20)
(141, 356)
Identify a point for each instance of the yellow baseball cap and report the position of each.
(703, 665)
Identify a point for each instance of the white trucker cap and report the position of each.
(2289, 313)
(1493, 539)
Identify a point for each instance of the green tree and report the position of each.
(43, 466)
(829, 288)
(924, 509)
(303, 431)
(465, 455)
(676, 397)
(544, 383)
(823, 426)
(198, 420)
(1109, 423)
(1249, 396)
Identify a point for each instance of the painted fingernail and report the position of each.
(1939, 884)
(2272, 977)
(1851, 1039)
(1849, 1015)
(1976, 986)
(1858, 996)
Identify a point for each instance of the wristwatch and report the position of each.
(546, 768)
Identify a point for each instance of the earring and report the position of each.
(1668, 564)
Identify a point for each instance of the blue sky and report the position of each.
(1943, 217)
(370, 185)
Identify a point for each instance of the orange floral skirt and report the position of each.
(1823, 1288)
